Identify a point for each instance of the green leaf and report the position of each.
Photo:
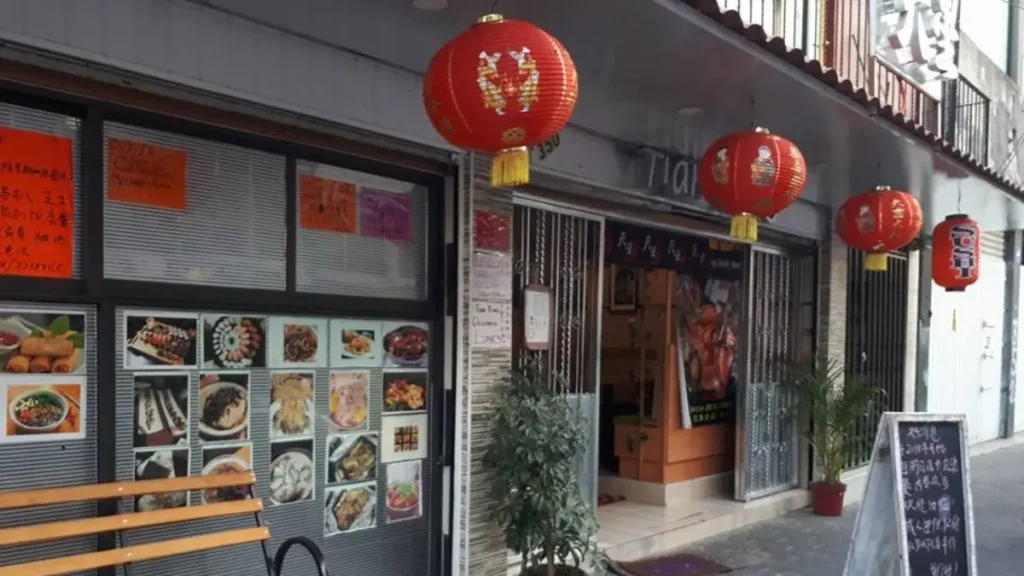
(78, 340)
(60, 325)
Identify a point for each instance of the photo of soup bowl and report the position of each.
(39, 411)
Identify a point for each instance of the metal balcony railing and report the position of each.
(965, 115)
(798, 22)
(848, 50)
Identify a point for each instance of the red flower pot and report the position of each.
(828, 498)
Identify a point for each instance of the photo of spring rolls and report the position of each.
(18, 364)
(41, 365)
(39, 342)
(48, 347)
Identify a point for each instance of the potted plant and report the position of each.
(538, 439)
(830, 402)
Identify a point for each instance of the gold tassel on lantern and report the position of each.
(876, 262)
(954, 319)
(511, 167)
(744, 228)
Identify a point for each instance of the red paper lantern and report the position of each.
(956, 252)
(751, 175)
(878, 222)
(499, 88)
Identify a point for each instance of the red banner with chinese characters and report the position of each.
(37, 204)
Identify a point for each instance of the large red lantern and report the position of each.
(956, 252)
(500, 87)
(878, 222)
(751, 175)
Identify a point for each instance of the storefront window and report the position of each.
(360, 234)
(19, 198)
(191, 211)
(269, 365)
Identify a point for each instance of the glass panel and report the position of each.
(55, 125)
(374, 244)
(231, 233)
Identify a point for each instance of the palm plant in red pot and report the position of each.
(830, 402)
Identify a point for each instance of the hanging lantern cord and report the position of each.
(494, 6)
(878, 179)
(753, 111)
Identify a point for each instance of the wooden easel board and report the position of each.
(917, 517)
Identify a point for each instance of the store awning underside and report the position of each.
(646, 64)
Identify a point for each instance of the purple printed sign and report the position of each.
(385, 215)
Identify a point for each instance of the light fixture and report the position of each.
(430, 4)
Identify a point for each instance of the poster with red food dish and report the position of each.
(406, 344)
(405, 485)
(709, 324)
(492, 231)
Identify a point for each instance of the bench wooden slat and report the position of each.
(129, 521)
(132, 554)
(45, 497)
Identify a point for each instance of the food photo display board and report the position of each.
(313, 406)
(43, 381)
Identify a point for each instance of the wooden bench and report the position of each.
(124, 556)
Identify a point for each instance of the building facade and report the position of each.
(268, 100)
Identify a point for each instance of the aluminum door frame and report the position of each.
(796, 263)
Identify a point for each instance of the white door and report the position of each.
(984, 423)
(965, 352)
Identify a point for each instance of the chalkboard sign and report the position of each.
(932, 478)
(916, 518)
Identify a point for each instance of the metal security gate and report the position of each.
(767, 448)
(561, 249)
(876, 341)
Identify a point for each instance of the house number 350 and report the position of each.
(545, 148)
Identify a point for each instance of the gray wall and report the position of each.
(1005, 107)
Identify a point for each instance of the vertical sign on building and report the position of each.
(917, 37)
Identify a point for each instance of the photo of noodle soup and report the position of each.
(43, 409)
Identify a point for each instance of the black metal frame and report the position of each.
(108, 294)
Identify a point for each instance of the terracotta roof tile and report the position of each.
(829, 77)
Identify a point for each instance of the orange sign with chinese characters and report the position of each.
(141, 173)
(328, 205)
(37, 204)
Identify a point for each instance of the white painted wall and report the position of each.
(965, 364)
(1018, 420)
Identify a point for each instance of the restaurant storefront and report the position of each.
(181, 296)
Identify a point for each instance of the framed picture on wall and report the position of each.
(624, 289)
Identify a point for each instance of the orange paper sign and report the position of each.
(140, 173)
(328, 205)
(37, 205)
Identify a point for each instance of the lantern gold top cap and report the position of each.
(490, 19)
(762, 130)
(882, 188)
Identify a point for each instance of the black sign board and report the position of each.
(916, 518)
(934, 509)
(636, 247)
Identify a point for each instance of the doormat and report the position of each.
(605, 499)
(675, 565)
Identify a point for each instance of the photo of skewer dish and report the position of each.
(234, 342)
(42, 342)
(160, 341)
(161, 410)
(356, 343)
